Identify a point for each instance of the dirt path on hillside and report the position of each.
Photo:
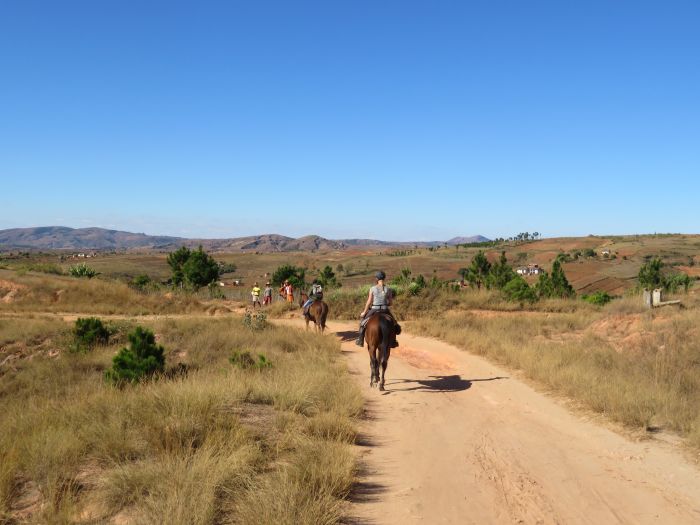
(455, 440)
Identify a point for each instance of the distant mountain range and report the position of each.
(63, 238)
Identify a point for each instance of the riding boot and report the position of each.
(361, 337)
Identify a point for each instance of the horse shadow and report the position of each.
(451, 383)
(349, 335)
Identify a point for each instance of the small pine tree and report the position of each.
(477, 273)
(327, 278)
(650, 276)
(560, 283)
(142, 359)
(176, 260)
(500, 274)
(200, 269)
(296, 276)
(89, 332)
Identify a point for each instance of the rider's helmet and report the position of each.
(380, 275)
(315, 281)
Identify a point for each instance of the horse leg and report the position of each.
(385, 363)
(373, 364)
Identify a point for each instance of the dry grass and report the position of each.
(216, 445)
(347, 303)
(52, 293)
(650, 379)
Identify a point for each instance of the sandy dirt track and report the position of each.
(456, 440)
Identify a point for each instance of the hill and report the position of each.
(467, 240)
(64, 238)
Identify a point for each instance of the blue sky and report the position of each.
(394, 120)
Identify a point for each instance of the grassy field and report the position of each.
(614, 273)
(216, 444)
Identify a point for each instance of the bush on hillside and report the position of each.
(598, 298)
(193, 268)
(142, 359)
(82, 270)
(517, 290)
(296, 276)
(89, 332)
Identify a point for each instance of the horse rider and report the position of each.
(315, 294)
(378, 301)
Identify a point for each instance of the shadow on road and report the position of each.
(453, 383)
(349, 335)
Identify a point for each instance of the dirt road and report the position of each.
(455, 440)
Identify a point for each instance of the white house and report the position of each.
(530, 269)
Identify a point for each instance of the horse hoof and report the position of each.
(381, 388)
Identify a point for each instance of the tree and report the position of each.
(327, 277)
(296, 276)
(193, 268)
(500, 274)
(477, 273)
(650, 274)
(556, 284)
(200, 269)
(176, 261)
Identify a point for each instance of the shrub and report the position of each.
(650, 274)
(244, 360)
(517, 290)
(255, 321)
(296, 276)
(676, 281)
(89, 332)
(195, 268)
(225, 267)
(142, 359)
(141, 282)
(598, 298)
(82, 270)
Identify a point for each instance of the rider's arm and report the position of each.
(367, 304)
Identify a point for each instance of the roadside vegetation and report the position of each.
(639, 368)
(237, 426)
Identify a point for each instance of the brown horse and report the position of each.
(318, 312)
(379, 333)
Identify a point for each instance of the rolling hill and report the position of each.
(64, 238)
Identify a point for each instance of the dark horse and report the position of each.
(318, 312)
(379, 333)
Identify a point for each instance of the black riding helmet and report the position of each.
(380, 275)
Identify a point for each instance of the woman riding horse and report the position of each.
(378, 301)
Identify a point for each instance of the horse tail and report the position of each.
(385, 327)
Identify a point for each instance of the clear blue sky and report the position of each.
(395, 120)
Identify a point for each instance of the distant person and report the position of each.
(267, 294)
(315, 294)
(255, 295)
(378, 301)
(288, 291)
